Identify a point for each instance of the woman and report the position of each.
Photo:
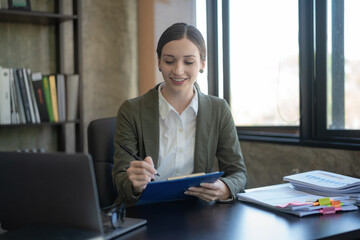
(177, 129)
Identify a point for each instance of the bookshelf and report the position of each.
(34, 17)
(46, 31)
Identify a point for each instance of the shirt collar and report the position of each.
(165, 107)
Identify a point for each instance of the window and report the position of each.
(290, 69)
(343, 72)
(264, 60)
(201, 25)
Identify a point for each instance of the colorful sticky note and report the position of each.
(324, 201)
(336, 204)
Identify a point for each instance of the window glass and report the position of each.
(201, 25)
(343, 65)
(264, 62)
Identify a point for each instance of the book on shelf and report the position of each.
(28, 94)
(72, 95)
(33, 97)
(27, 73)
(19, 101)
(60, 84)
(53, 95)
(24, 95)
(13, 98)
(27, 97)
(39, 95)
(5, 101)
(46, 88)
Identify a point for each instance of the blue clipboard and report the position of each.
(171, 190)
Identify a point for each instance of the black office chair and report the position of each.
(101, 148)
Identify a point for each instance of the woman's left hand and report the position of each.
(211, 191)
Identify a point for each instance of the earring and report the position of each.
(201, 70)
(159, 69)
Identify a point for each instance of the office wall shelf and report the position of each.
(34, 17)
(54, 20)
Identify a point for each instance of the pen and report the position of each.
(126, 149)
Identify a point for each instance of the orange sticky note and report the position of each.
(336, 204)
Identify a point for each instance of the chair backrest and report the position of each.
(101, 147)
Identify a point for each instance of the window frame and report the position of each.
(312, 130)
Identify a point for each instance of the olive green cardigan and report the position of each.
(216, 140)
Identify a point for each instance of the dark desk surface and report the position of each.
(195, 219)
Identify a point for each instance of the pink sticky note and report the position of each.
(328, 210)
(293, 203)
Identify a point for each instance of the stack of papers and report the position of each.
(285, 198)
(326, 184)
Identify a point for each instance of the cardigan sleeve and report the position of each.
(136, 119)
(229, 153)
(125, 133)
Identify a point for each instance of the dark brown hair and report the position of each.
(179, 31)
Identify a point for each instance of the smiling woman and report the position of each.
(180, 64)
(176, 128)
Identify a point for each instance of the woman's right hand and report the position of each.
(140, 174)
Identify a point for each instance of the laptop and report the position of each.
(53, 189)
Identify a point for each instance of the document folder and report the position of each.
(171, 190)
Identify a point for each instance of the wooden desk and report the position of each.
(195, 219)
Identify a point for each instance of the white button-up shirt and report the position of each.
(177, 138)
